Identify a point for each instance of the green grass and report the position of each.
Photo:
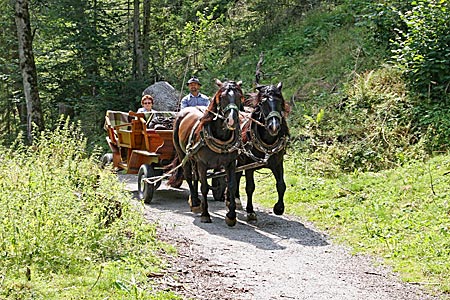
(401, 215)
(69, 230)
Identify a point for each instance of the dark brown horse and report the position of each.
(210, 140)
(265, 135)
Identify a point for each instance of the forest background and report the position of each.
(368, 83)
(91, 56)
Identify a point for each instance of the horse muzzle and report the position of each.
(273, 126)
(232, 119)
(273, 123)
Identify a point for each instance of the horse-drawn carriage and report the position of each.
(220, 138)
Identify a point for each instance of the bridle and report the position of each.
(273, 113)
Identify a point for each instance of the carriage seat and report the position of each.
(115, 120)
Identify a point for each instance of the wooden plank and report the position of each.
(140, 157)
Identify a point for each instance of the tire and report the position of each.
(145, 189)
(218, 188)
(106, 160)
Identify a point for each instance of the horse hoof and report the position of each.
(251, 217)
(204, 219)
(196, 209)
(278, 209)
(230, 222)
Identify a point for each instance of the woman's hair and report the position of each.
(146, 97)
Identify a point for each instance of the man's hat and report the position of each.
(193, 79)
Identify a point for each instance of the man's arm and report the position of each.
(183, 102)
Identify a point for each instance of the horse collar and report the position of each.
(217, 145)
(263, 147)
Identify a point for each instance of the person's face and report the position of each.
(194, 87)
(147, 104)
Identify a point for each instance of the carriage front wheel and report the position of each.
(106, 160)
(145, 189)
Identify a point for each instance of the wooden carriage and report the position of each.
(138, 147)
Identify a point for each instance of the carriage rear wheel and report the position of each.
(145, 189)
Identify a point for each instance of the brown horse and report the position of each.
(264, 136)
(210, 140)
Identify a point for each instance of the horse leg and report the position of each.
(194, 201)
(249, 189)
(204, 188)
(238, 180)
(230, 218)
(237, 196)
(277, 171)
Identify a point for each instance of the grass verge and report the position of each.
(68, 229)
(401, 215)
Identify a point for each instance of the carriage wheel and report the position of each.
(106, 160)
(145, 189)
(218, 188)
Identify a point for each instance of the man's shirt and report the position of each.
(191, 100)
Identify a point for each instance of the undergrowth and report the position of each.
(68, 229)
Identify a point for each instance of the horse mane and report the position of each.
(208, 116)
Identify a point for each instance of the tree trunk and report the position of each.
(139, 71)
(28, 68)
(146, 36)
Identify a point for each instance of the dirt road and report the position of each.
(276, 258)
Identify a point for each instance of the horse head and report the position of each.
(226, 103)
(271, 107)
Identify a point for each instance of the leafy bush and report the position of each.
(422, 51)
(384, 20)
(65, 218)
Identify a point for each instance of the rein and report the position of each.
(227, 108)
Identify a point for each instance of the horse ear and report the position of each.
(239, 83)
(219, 83)
(280, 86)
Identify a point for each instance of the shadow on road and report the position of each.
(267, 233)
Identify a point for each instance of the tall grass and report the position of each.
(68, 229)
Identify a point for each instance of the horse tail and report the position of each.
(176, 179)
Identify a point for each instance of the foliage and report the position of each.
(400, 215)
(433, 119)
(384, 20)
(68, 228)
(422, 51)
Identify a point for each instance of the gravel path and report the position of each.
(279, 257)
